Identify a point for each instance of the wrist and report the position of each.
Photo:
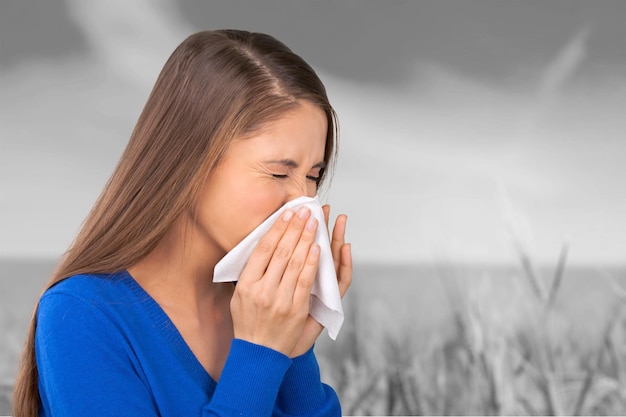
(311, 332)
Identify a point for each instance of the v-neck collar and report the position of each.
(163, 323)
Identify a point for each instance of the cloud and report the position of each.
(423, 166)
(418, 168)
(132, 38)
(564, 65)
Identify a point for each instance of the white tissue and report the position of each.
(325, 302)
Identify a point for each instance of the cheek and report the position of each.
(233, 205)
(262, 201)
(251, 206)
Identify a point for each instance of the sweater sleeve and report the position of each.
(250, 381)
(83, 366)
(302, 392)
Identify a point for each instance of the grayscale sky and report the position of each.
(462, 122)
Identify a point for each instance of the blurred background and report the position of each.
(482, 164)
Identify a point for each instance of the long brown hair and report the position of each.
(216, 85)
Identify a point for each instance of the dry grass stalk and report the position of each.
(485, 365)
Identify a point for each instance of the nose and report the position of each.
(301, 187)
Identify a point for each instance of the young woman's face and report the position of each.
(260, 174)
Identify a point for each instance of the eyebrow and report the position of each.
(293, 164)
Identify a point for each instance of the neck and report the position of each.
(179, 271)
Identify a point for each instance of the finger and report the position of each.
(296, 264)
(305, 281)
(263, 251)
(338, 239)
(344, 276)
(326, 210)
(286, 246)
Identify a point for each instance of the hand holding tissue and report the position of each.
(325, 302)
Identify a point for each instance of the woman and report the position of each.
(131, 322)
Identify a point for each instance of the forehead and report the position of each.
(299, 134)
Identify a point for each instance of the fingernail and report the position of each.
(287, 215)
(311, 223)
(303, 212)
(315, 249)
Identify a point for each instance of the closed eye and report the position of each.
(308, 177)
(317, 178)
(291, 164)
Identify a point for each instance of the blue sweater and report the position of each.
(105, 348)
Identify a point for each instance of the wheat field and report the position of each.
(514, 342)
(443, 339)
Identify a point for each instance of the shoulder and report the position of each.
(83, 296)
(95, 312)
(90, 287)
